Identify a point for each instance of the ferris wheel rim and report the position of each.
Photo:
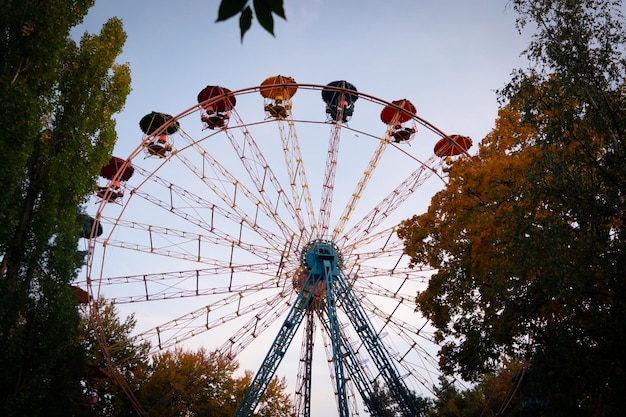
(197, 108)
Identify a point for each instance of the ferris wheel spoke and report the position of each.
(421, 365)
(374, 254)
(232, 192)
(191, 283)
(361, 321)
(328, 186)
(382, 239)
(387, 316)
(410, 351)
(392, 201)
(361, 185)
(380, 247)
(260, 171)
(407, 351)
(301, 194)
(205, 214)
(202, 320)
(381, 244)
(266, 316)
(412, 358)
(365, 278)
(277, 95)
(189, 246)
(394, 293)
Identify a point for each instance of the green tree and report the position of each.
(528, 235)
(203, 384)
(496, 393)
(57, 100)
(189, 383)
(117, 364)
(383, 404)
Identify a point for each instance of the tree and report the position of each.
(203, 384)
(57, 100)
(383, 404)
(497, 393)
(188, 383)
(528, 235)
(264, 10)
(275, 402)
(114, 376)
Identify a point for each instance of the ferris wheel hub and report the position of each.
(320, 252)
(319, 258)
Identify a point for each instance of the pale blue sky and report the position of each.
(446, 56)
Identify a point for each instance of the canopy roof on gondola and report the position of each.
(226, 103)
(89, 224)
(278, 87)
(452, 145)
(110, 170)
(398, 112)
(152, 122)
(336, 90)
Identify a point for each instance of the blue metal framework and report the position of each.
(323, 263)
(303, 390)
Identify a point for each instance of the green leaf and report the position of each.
(276, 6)
(229, 8)
(264, 15)
(245, 21)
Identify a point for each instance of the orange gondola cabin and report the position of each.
(277, 92)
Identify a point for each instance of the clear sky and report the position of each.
(448, 57)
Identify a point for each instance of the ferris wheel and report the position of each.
(260, 219)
